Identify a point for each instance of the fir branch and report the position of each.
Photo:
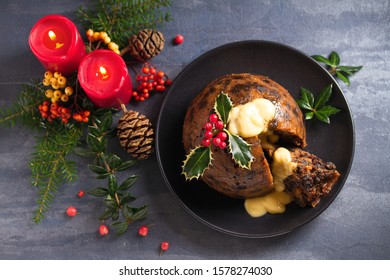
(50, 165)
(25, 109)
(123, 18)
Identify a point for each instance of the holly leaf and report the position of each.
(240, 150)
(196, 162)
(128, 183)
(334, 59)
(307, 99)
(222, 106)
(316, 106)
(321, 58)
(324, 97)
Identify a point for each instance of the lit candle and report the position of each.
(57, 44)
(104, 77)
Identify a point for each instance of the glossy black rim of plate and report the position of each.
(292, 69)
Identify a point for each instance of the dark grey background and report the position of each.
(355, 226)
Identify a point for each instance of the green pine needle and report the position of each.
(123, 18)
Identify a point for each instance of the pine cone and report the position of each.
(135, 134)
(146, 44)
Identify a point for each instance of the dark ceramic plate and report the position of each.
(293, 70)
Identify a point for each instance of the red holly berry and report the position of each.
(213, 118)
(80, 194)
(178, 39)
(208, 126)
(206, 142)
(219, 125)
(222, 145)
(164, 246)
(103, 229)
(216, 141)
(71, 211)
(143, 230)
(222, 135)
(208, 134)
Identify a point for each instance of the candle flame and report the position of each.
(103, 73)
(52, 35)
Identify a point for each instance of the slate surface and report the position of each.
(355, 226)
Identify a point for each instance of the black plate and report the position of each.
(293, 70)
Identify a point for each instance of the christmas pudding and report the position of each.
(244, 134)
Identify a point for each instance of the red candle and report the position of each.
(57, 44)
(104, 77)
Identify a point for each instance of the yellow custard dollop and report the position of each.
(252, 118)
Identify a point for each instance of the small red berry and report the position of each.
(164, 246)
(179, 39)
(219, 125)
(168, 82)
(143, 230)
(208, 126)
(213, 118)
(71, 211)
(145, 70)
(103, 229)
(206, 142)
(80, 194)
(207, 134)
(222, 135)
(216, 141)
(222, 145)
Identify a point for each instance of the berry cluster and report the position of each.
(213, 133)
(149, 80)
(59, 90)
(82, 116)
(51, 110)
(102, 37)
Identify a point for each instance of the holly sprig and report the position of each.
(200, 158)
(316, 105)
(333, 63)
(116, 196)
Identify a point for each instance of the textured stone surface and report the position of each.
(355, 226)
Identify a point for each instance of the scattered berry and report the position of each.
(71, 211)
(178, 39)
(143, 230)
(103, 229)
(80, 194)
(164, 246)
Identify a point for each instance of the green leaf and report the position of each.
(83, 152)
(322, 59)
(139, 213)
(197, 161)
(240, 150)
(222, 106)
(343, 77)
(120, 227)
(128, 183)
(322, 117)
(94, 131)
(94, 144)
(334, 59)
(108, 212)
(329, 110)
(106, 122)
(349, 70)
(126, 198)
(112, 185)
(126, 165)
(113, 161)
(115, 215)
(307, 99)
(323, 97)
(98, 169)
(99, 192)
(127, 212)
(309, 115)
